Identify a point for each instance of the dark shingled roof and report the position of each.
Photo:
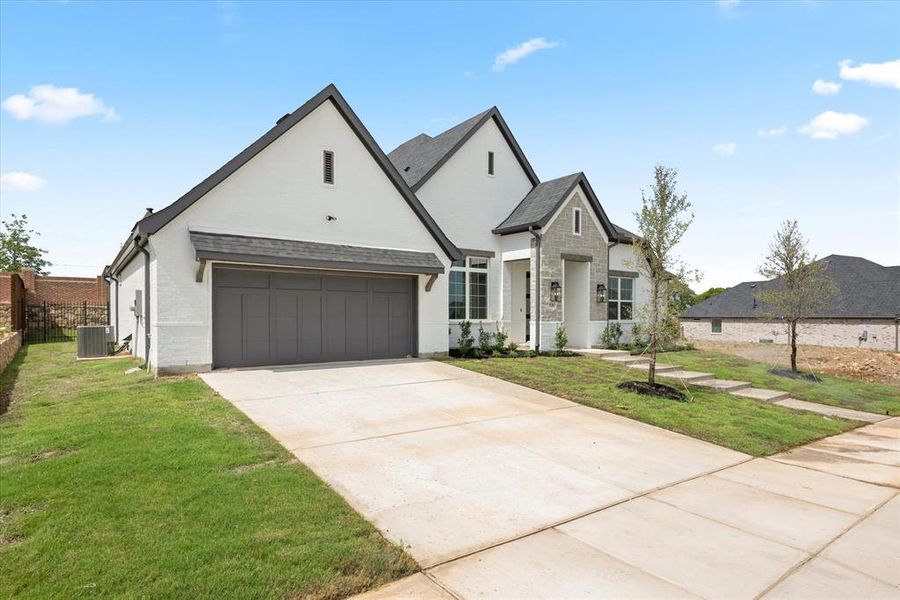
(421, 157)
(865, 290)
(625, 236)
(541, 203)
(269, 251)
(153, 222)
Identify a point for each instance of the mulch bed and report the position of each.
(795, 375)
(659, 390)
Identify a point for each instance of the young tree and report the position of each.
(800, 289)
(16, 249)
(664, 218)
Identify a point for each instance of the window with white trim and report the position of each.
(576, 221)
(620, 302)
(469, 288)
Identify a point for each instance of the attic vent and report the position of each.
(278, 122)
(328, 167)
(406, 169)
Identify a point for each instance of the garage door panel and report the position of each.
(390, 285)
(242, 279)
(358, 326)
(287, 326)
(289, 281)
(256, 328)
(228, 327)
(309, 317)
(380, 325)
(311, 326)
(400, 333)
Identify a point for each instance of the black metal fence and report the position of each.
(52, 322)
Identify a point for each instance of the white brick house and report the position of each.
(313, 245)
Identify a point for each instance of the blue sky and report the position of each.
(723, 91)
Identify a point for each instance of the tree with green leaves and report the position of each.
(663, 220)
(710, 293)
(799, 288)
(16, 250)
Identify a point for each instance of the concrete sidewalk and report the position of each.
(505, 492)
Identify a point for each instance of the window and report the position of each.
(576, 221)
(717, 325)
(490, 163)
(620, 305)
(328, 167)
(469, 288)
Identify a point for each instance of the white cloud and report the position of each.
(830, 125)
(727, 149)
(21, 182)
(826, 88)
(50, 104)
(517, 53)
(774, 132)
(727, 5)
(884, 74)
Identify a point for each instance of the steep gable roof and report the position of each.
(153, 222)
(864, 290)
(422, 156)
(541, 203)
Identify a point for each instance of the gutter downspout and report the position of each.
(146, 253)
(897, 333)
(538, 285)
(110, 279)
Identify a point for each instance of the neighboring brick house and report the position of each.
(37, 289)
(864, 313)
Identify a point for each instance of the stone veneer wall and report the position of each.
(9, 346)
(558, 239)
(841, 333)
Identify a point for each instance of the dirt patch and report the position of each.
(857, 364)
(50, 454)
(241, 469)
(658, 390)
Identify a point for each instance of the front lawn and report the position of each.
(880, 398)
(122, 485)
(750, 426)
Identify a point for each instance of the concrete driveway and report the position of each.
(502, 491)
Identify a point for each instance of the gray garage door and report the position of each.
(287, 317)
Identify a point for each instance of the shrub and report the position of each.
(639, 339)
(512, 347)
(465, 340)
(485, 343)
(500, 339)
(612, 335)
(497, 354)
(560, 339)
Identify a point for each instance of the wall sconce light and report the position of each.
(601, 293)
(555, 291)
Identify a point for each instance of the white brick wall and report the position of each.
(279, 193)
(842, 333)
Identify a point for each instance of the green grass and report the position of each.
(115, 485)
(877, 398)
(750, 426)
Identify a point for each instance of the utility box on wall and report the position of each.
(95, 341)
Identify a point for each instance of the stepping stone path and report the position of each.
(743, 389)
